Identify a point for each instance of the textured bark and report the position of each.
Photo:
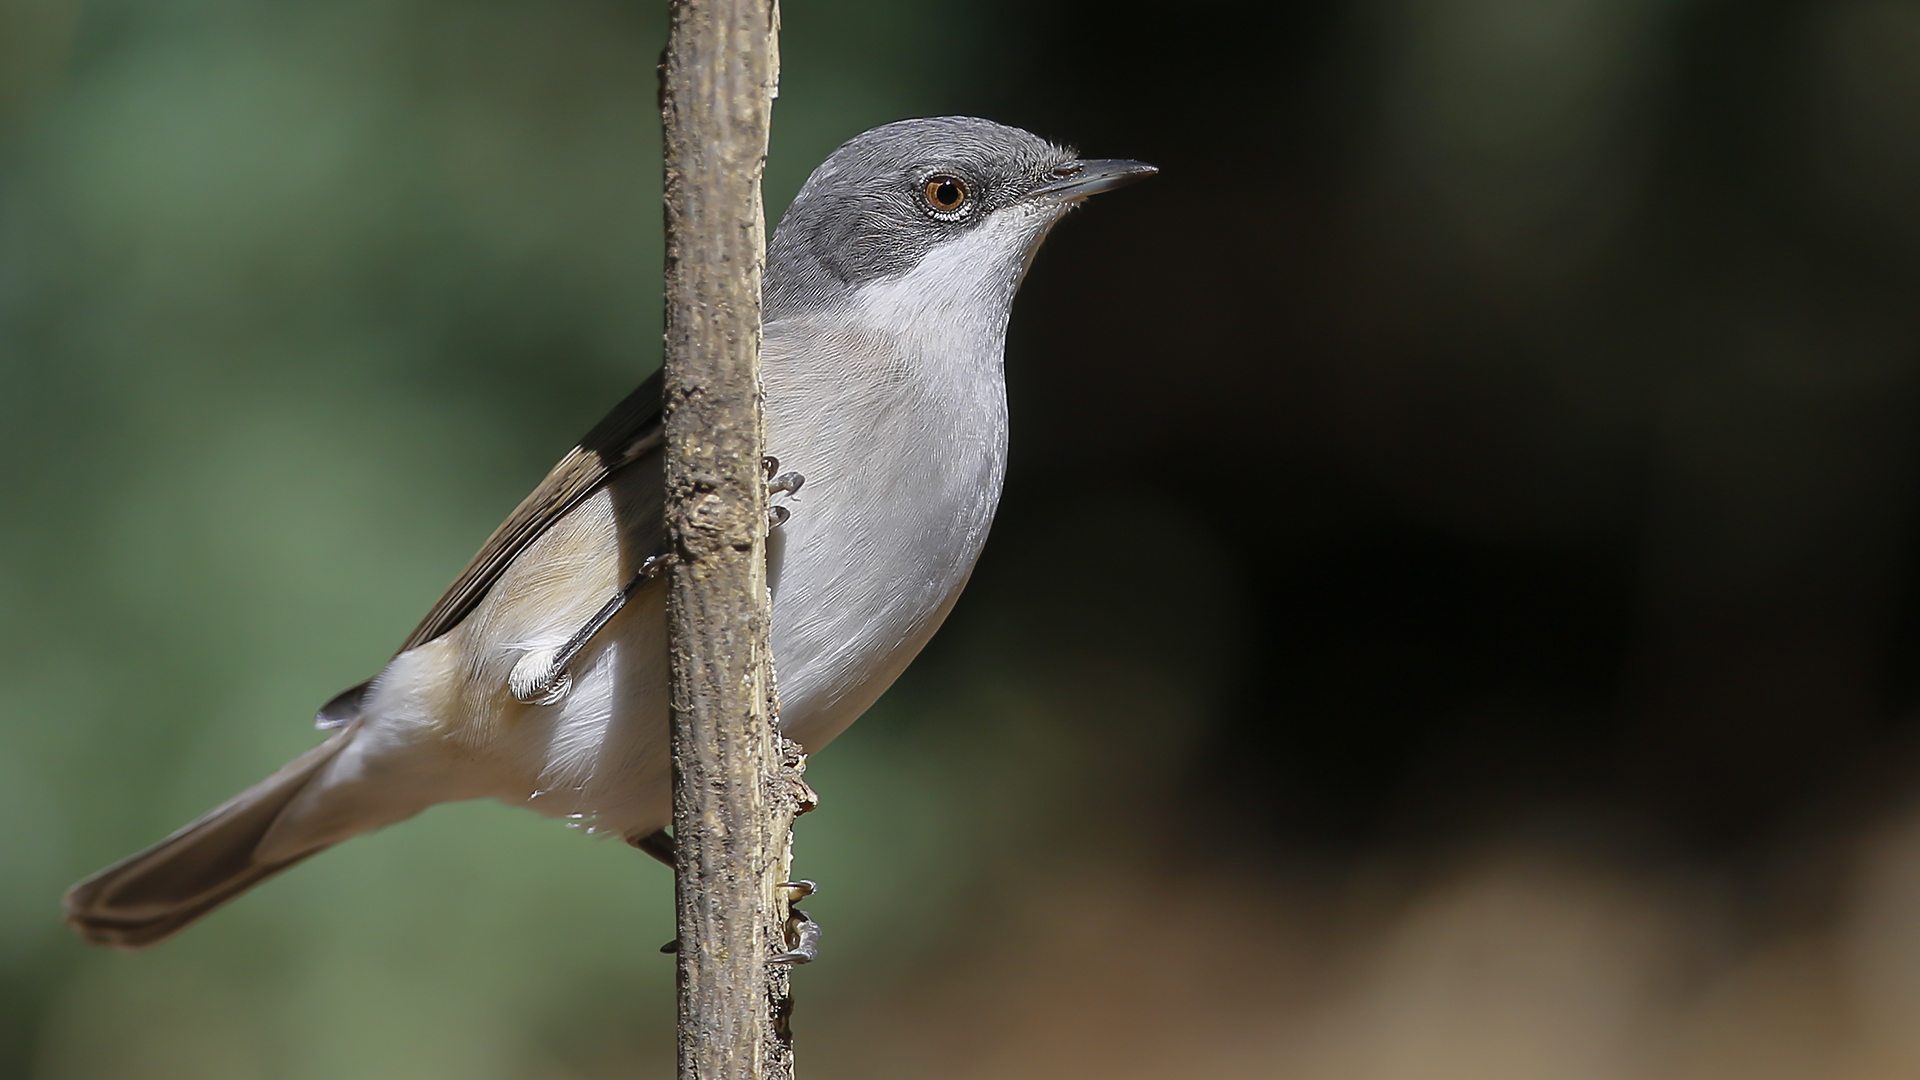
(732, 801)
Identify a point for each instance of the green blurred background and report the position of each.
(1452, 614)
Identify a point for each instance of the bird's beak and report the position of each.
(1078, 179)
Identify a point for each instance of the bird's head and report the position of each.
(951, 205)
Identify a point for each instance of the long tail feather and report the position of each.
(148, 897)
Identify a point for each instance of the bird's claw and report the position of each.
(786, 482)
(802, 932)
(805, 935)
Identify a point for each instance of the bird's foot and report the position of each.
(785, 482)
(803, 934)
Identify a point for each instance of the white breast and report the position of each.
(894, 408)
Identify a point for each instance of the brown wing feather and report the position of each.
(628, 434)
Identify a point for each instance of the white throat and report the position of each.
(893, 406)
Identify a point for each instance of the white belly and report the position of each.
(901, 486)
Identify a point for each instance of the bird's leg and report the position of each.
(540, 678)
(788, 482)
(801, 931)
(659, 844)
(803, 934)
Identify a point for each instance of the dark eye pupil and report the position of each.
(946, 192)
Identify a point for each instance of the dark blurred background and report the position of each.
(1452, 613)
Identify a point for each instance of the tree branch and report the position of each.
(732, 801)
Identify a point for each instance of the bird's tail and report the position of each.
(148, 897)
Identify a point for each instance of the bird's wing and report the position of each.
(630, 433)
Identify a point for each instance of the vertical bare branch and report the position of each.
(716, 95)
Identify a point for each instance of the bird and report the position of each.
(540, 678)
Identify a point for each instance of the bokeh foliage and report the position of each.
(1522, 393)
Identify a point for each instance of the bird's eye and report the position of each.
(946, 194)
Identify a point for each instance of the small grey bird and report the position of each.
(540, 678)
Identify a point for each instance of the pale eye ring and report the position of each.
(946, 194)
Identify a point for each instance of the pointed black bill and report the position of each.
(1079, 179)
